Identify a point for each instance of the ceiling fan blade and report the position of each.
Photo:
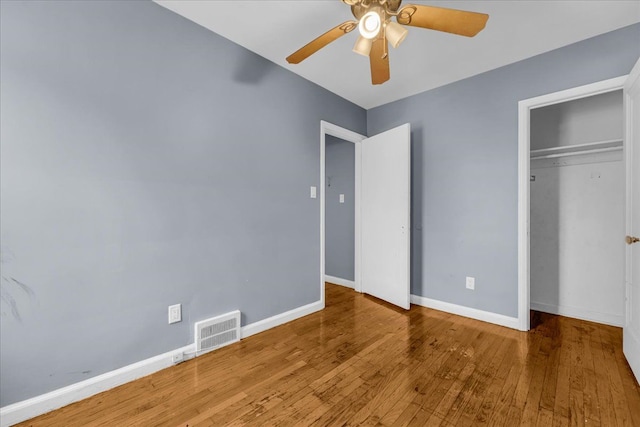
(441, 19)
(379, 60)
(320, 42)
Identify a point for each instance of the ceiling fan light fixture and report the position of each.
(395, 33)
(363, 46)
(370, 24)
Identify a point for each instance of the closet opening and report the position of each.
(571, 204)
(577, 208)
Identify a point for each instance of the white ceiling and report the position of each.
(516, 30)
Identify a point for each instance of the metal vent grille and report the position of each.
(217, 328)
(217, 332)
(218, 340)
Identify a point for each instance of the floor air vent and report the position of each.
(217, 332)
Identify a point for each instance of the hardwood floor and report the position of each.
(363, 362)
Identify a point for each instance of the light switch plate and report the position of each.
(313, 192)
(342, 198)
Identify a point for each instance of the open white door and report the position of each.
(631, 330)
(384, 211)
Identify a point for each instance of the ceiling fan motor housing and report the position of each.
(387, 8)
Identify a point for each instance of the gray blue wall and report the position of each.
(145, 161)
(465, 170)
(340, 160)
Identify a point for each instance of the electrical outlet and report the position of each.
(175, 313)
(178, 357)
(471, 283)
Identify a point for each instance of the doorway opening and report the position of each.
(544, 167)
(337, 138)
(339, 187)
(382, 194)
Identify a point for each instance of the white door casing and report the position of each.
(385, 201)
(631, 329)
(327, 128)
(524, 111)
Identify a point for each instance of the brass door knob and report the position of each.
(631, 240)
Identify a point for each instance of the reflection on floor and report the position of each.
(362, 361)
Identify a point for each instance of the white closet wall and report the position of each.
(577, 209)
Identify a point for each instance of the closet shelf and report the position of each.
(577, 149)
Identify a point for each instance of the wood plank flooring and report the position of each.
(363, 362)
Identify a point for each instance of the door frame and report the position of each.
(524, 171)
(347, 135)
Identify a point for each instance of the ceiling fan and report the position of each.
(376, 29)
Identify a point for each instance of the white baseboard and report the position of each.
(21, 411)
(279, 319)
(338, 281)
(580, 313)
(473, 313)
(27, 409)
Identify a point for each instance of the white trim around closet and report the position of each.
(524, 172)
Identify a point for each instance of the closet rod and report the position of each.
(571, 147)
(576, 153)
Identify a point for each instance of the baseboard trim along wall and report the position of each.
(21, 411)
(580, 313)
(27, 409)
(460, 310)
(280, 319)
(338, 281)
